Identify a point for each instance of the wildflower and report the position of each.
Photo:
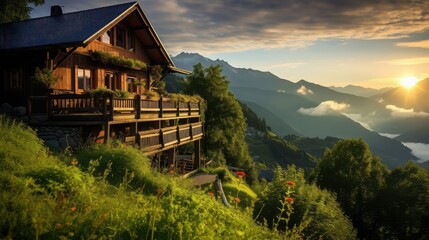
(73, 162)
(237, 200)
(73, 209)
(171, 172)
(211, 194)
(240, 174)
(289, 200)
(290, 183)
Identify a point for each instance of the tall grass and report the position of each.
(103, 192)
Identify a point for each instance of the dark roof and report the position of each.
(80, 28)
(67, 30)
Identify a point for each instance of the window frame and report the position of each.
(88, 83)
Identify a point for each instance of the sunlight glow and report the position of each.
(408, 82)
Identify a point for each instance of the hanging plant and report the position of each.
(107, 58)
(45, 76)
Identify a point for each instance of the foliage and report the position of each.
(122, 93)
(175, 83)
(314, 210)
(403, 204)
(45, 76)
(151, 95)
(252, 118)
(108, 58)
(102, 92)
(224, 125)
(16, 10)
(96, 193)
(184, 97)
(351, 171)
(315, 146)
(289, 153)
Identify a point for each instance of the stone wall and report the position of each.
(60, 137)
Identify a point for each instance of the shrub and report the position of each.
(45, 76)
(314, 207)
(122, 93)
(102, 92)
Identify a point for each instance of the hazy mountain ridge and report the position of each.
(361, 91)
(309, 109)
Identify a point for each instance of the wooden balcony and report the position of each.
(73, 107)
(153, 141)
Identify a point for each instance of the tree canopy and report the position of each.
(351, 171)
(16, 10)
(225, 125)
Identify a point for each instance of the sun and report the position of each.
(408, 82)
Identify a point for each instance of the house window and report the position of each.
(131, 87)
(131, 43)
(112, 81)
(15, 80)
(120, 37)
(84, 77)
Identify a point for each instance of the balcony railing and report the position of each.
(153, 140)
(86, 107)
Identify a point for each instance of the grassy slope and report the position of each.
(69, 196)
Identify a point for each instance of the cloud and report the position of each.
(419, 150)
(389, 135)
(224, 25)
(418, 44)
(304, 91)
(405, 113)
(324, 108)
(359, 119)
(409, 61)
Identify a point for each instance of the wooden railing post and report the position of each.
(189, 108)
(178, 108)
(160, 107)
(105, 108)
(178, 133)
(161, 136)
(137, 105)
(111, 106)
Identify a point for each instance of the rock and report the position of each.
(19, 111)
(53, 144)
(6, 108)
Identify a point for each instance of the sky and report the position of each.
(370, 43)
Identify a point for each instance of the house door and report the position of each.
(112, 81)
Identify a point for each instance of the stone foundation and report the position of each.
(60, 137)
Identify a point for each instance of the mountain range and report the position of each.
(311, 110)
(361, 91)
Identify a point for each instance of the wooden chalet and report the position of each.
(73, 48)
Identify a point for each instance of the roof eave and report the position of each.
(174, 69)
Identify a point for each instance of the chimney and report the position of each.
(56, 10)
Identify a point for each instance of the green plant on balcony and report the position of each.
(102, 92)
(45, 76)
(151, 95)
(108, 58)
(122, 93)
(184, 98)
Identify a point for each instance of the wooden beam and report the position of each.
(139, 28)
(151, 46)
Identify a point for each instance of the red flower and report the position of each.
(237, 200)
(73, 209)
(290, 183)
(240, 174)
(211, 194)
(73, 162)
(289, 200)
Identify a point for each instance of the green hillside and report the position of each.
(105, 192)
